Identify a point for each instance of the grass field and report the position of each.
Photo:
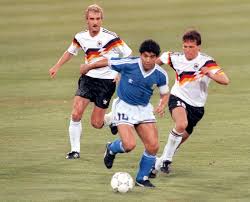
(212, 166)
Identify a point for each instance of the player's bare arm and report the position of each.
(65, 58)
(160, 109)
(220, 77)
(84, 68)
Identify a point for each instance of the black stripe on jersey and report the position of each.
(170, 63)
(92, 50)
(184, 74)
(173, 53)
(112, 41)
(107, 44)
(75, 41)
(209, 62)
(109, 32)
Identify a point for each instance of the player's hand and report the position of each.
(160, 110)
(84, 68)
(117, 78)
(53, 71)
(207, 72)
(204, 70)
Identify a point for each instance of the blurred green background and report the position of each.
(212, 166)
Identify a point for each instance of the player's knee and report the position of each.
(76, 116)
(97, 124)
(181, 126)
(153, 148)
(129, 146)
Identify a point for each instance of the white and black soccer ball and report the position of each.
(122, 182)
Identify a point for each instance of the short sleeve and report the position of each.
(163, 81)
(75, 47)
(165, 57)
(213, 66)
(123, 49)
(118, 64)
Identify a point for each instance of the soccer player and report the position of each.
(132, 110)
(96, 86)
(194, 70)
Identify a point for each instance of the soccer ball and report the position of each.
(122, 182)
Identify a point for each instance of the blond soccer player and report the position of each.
(96, 86)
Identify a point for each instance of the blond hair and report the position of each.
(93, 8)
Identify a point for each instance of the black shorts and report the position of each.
(194, 114)
(99, 91)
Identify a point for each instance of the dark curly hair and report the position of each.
(150, 46)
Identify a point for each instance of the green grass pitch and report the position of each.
(213, 165)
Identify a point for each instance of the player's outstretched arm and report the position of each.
(65, 58)
(160, 109)
(159, 62)
(220, 77)
(84, 68)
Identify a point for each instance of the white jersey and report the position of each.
(190, 85)
(105, 44)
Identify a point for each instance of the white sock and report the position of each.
(174, 139)
(158, 163)
(108, 118)
(75, 131)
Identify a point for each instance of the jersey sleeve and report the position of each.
(116, 48)
(75, 47)
(117, 64)
(213, 67)
(163, 84)
(123, 49)
(164, 89)
(165, 58)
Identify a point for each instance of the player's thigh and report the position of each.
(127, 135)
(179, 115)
(148, 134)
(177, 108)
(79, 105)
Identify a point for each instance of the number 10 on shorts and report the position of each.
(122, 117)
